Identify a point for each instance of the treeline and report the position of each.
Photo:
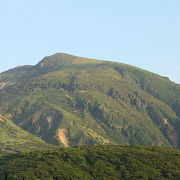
(93, 162)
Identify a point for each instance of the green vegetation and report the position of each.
(94, 162)
(75, 101)
(13, 139)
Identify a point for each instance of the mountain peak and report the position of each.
(72, 100)
(56, 59)
(59, 60)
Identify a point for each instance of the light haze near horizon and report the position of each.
(137, 32)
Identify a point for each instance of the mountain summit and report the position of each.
(69, 100)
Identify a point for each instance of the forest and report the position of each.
(93, 162)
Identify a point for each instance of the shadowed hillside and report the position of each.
(13, 139)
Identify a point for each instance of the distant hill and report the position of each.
(73, 101)
(93, 162)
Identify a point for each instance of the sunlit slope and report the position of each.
(75, 101)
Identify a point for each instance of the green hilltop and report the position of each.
(70, 101)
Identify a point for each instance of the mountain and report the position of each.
(13, 139)
(93, 162)
(73, 101)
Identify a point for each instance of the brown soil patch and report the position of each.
(62, 136)
(1, 120)
(3, 84)
(72, 123)
(165, 121)
(82, 91)
(49, 120)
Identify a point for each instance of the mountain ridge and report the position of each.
(73, 58)
(87, 101)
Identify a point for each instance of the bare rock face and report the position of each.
(62, 136)
(5, 84)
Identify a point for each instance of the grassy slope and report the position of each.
(84, 101)
(94, 162)
(13, 138)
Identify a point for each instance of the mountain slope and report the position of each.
(75, 101)
(14, 139)
(93, 162)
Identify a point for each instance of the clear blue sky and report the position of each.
(144, 33)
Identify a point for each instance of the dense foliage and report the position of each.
(93, 162)
(75, 101)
